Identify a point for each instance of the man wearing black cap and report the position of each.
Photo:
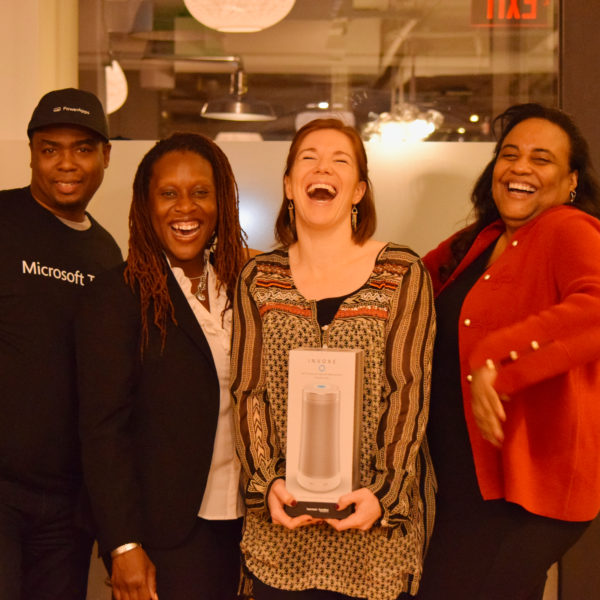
(50, 249)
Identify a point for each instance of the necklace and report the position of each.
(200, 292)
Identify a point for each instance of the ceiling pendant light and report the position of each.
(116, 86)
(237, 106)
(239, 16)
(405, 122)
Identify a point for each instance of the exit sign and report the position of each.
(511, 13)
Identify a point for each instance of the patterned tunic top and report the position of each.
(391, 318)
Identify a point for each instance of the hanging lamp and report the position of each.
(239, 16)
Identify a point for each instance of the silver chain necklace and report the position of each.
(200, 292)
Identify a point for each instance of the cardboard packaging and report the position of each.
(323, 429)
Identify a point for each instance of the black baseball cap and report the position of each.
(69, 107)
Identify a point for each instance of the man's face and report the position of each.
(67, 167)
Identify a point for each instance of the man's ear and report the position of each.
(106, 148)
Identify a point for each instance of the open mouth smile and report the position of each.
(67, 187)
(321, 191)
(519, 187)
(185, 228)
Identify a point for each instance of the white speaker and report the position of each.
(319, 457)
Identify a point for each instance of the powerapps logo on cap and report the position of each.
(83, 111)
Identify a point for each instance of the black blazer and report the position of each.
(147, 425)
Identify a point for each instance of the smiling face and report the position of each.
(324, 181)
(67, 167)
(532, 172)
(183, 208)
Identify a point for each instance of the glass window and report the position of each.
(451, 63)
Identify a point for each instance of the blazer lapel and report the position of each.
(186, 320)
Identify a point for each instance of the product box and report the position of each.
(323, 429)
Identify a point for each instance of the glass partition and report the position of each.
(420, 69)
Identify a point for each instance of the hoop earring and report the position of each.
(572, 195)
(291, 213)
(354, 218)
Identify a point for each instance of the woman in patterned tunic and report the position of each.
(331, 285)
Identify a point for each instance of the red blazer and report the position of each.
(536, 313)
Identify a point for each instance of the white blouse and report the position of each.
(222, 498)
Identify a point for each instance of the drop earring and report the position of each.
(572, 195)
(291, 213)
(212, 243)
(354, 218)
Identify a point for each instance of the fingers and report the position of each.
(345, 501)
(492, 432)
(152, 582)
(133, 576)
(497, 407)
(489, 419)
(486, 404)
(279, 491)
(490, 426)
(488, 407)
(278, 498)
(300, 521)
(366, 510)
(351, 522)
(341, 524)
(280, 517)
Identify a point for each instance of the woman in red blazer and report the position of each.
(515, 418)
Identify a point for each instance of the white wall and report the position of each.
(421, 190)
(38, 53)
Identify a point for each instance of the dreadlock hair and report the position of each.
(146, 269)
(587, 197)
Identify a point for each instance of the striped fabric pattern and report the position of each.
(391, 318)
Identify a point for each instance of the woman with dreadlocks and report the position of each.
(153, 351)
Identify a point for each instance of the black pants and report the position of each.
(205, 567)
(43, 554)
(497, 552)
(265, 592)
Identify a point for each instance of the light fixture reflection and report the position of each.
(324, 110)
(116, 87)
(232, 109)
(405, 123)
(239, 16)
(237, 107)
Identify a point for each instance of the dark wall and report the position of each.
(579, 575)
(579, 68)
(579, 95)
